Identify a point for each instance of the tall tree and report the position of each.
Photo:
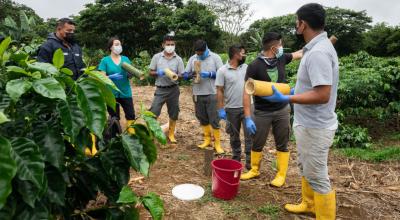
(347, 25)
(191, 22)
(232, 14)
(382, 40)
(145, 23)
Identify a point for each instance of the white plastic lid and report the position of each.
(188, 192)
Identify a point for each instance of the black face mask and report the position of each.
(243, 60)
(70, 37)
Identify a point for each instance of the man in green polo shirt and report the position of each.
(167, 90)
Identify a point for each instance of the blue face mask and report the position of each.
(205, 54)
(280, 52)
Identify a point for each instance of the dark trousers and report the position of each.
(169, 96)
(235, 119)
(127, 105)
(279, 121)
(206, 110)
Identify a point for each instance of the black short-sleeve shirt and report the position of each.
(258, 70)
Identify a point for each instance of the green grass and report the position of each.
(270, 210)
(373, 154)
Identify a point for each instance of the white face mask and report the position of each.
(117, 49)
(169, 49)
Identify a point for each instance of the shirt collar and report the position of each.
(163, 55)
(228, 65)
(315, 40)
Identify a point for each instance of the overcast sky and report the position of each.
(380, 10)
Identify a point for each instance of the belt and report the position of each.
(165, 87)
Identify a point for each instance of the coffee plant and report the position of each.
(47, 122)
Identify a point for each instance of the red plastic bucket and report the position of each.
(225, 178)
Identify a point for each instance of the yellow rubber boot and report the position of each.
(325, 205)
(307, 200)
(93, 151)
(282, 161)
(255, 166)
(130, 129)
(171, 131)
(207, 136)
(217, 141)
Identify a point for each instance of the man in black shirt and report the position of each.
(63, 38)
(269, 66)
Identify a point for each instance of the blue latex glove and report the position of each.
(205, 74)
(186, 76)
(116, 76)
(292, 91)
(250, 126)
(277, 96)
(222, 114)
(160, 72)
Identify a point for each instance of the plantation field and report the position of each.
(365, 190)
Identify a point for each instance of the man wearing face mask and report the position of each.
(204, 93)
(269, 66)
(230, 84)
(63, 38)
(315, 120)
(167, 90)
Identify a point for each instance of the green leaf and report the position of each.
(36, 75)
(155, 128)
(128, 213)
(51, 144)
(116, 164)
(3, 46)
(127, 196)
(107, 94)
(67, 71)
(3, 117)
(8, 169)
(56, 186)
(102, 78)
(154, 204)
(29, 161)
(58, 58)
(134, 151)
(149, 147)
(17, 87)
(4, 100)
(8, 210)
(50, 88)
(93, 106)
(17, 69)
(71, 116)
(45, 68)
(29, 192)
(40, 212)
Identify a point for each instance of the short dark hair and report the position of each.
(313, 14)
(110, 42)
(61, 22)
(236, 48)
(269, 39)
(200, 45)
(168, 37)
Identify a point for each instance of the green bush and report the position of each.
(351, 136)
(47, 123)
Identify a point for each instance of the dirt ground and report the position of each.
(364, 190)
